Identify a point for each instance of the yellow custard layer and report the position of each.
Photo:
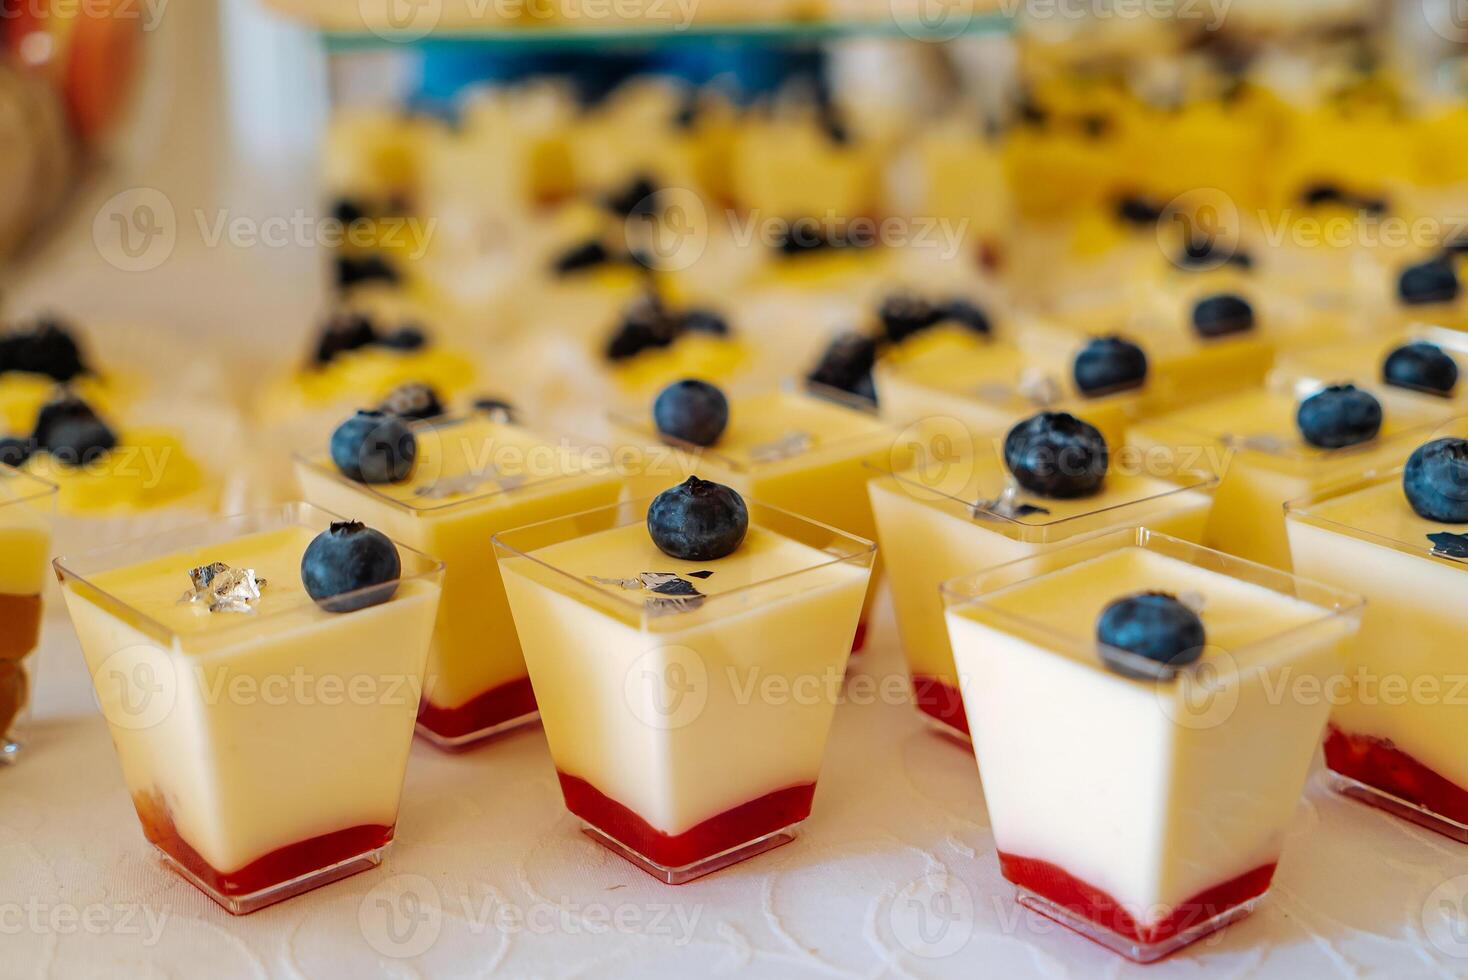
(368, 375)
(149, 468)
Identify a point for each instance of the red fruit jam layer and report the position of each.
(1381, 765)
(746, 822)
(494, 707)
(275, 868)
(860, 641)
(1055, 883)
(20, 625)
(941, 700)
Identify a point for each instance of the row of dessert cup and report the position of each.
(682, 715)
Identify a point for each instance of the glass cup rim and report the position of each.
(313, 461)
(1300, 509)
(292, 514)
(965, 590)
(636, 511)
(624, 418)
(39, 489)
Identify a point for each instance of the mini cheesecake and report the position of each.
(263, 735)
(1143, 802)
(1253, 441)
(642, 663)
(472, 477)
(25, 542)
(808, 453)
(936, 522)
(1409, 753)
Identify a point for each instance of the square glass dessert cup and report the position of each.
(933, 525)
(989, 385)
(25, 546)
(1362, 360)
(1143, 813)
(1398, 737)
(264, 750)
(687, 732)
(806, 449)
(472, 477)
(1252, 442)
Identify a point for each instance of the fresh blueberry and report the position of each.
(646, 325)
(14, 452)
(1222, 314)
(352, 271)
(1339, 416)
(637, 199)
(1108, 364)
(72, 432)
(903, 314)
(350, 566)
(1323, 192)
(414, 401)
(580, 257)
(691, 411)
(704, 321)
(847, 364)
(1433, 281)
(1153, 625)
(343, 332)
(348, 210)
(1205, 252)
(1139, 211)
(1436, 480)
(968, 316)
(405, 338)
(698, 520)
(1373, 206)
(1055, 454)
(1421, 366)
(47, 347)
(496, 408)
(374, 447)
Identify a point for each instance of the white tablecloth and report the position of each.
(894, 876)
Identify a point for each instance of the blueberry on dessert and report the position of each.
(496, 408)
(904, 314)
(704, 321)
(1205, 251)
(847, 365)
(344, 332)
(374, 447)
(47, 347)
(348, 210)
(70, 431)
(1056, 455)
(1109, 364)
(350, 566)
(1436, 481)
(352, 271)
(413, 400)
(1154, 626)
(1323, 192)
(698, 520)
(1433, 281)
(580, 257)
(646, 324)
(14, 452)
(638, 198)
(1139, 211)
(691, 411)
(1221, 315)
(1339, 416)
(1421, 366)
(968, 316)
(406, 338)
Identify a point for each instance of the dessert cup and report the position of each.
(1403, 752)
(474, 476)
(25, 544)
(1143, 814)
(806, 450)
(1361, 361)
(931, 529)
(1251, 441)
(663, 748)
(264, 749)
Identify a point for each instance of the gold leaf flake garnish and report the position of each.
(224, 589)
(788, 446)
(1006, 505)
(468, 483)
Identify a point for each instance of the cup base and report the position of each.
(458, 743)
(941, 729)
(265, 897)
(1396, 806)
(1133, 949)
(698, 869)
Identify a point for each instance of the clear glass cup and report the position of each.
(931, 530)
(473, 476)
(1398, 734)
(1361, 361)
(25, 545)
(1143, 813)
(687, 735)
(264, 750)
